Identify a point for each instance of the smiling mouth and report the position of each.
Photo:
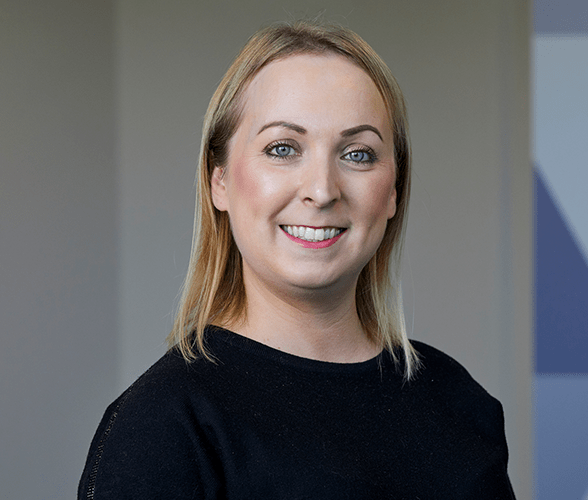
(313, 234)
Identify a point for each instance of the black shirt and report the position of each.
(263, 424)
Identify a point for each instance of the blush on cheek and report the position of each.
(383, 198)
(246, 183)
(256, 186)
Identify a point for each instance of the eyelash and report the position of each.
(270, 147)
(372, 157)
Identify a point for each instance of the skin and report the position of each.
(314, 148)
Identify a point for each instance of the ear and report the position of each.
(392, 205)
(218, 189)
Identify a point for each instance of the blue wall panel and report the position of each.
(561, 447)
(560, 114)
(561, 291)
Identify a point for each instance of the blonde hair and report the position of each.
(213, 291)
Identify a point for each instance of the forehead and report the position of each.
(319, 90)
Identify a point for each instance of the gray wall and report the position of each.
(58, 293)
(98, 203)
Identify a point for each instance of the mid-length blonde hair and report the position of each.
(213, 292)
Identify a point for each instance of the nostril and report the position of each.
(323, 194)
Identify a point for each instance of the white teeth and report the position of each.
(311, 234)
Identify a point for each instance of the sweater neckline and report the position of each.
(216, 333)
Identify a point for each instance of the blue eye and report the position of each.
(359, 157)
(281, 151)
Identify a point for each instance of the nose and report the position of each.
(320, 184)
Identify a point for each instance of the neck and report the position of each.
(321, 325)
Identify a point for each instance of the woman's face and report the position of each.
(309, 182)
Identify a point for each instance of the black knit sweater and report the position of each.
(263, 424)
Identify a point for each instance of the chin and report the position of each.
(314, 283)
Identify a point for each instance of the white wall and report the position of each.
(463, 67)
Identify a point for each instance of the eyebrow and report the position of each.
(361, 128)
(301, 130)
(291, 126)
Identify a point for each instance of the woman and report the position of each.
(289, 373)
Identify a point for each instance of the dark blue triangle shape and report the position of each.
(561, 291)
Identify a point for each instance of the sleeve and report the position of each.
(149, 447)
(484, 452)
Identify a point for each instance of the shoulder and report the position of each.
(170, 377)
(169, 393)
(147, 442)
(157, 391)
(170, 383)
(443, 378)
(436, 362)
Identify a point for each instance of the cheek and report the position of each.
(381, 199)
(246, 193)
(245, 184)
(256, 190)
(256, 193)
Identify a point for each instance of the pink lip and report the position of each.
(315, 244)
